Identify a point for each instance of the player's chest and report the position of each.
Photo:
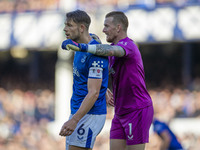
(115, 62)
(80, 61)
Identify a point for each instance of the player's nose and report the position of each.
(65, 29)
(104, 30)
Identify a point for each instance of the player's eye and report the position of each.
(69, 25)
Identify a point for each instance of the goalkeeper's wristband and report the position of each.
(92, 49)
(87, 48)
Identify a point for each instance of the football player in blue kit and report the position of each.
(90, 80)
(169, 140)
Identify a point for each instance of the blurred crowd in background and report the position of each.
(176, 104)
(24, 118)
(88, 5)
(10, 6)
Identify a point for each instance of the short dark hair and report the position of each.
(79, 16)
(119, 17)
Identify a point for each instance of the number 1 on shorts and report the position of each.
(130, 128)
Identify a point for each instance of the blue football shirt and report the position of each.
(159, 127)
(87, 65)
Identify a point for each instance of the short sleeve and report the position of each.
(128, 46)
(159, 128)
(96, 66)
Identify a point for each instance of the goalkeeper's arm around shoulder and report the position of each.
(98, 49)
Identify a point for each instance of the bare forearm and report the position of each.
(166, 139)
(108, 50)
(164, 146)
(86, 105)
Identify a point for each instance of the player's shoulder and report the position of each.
(98, 60)
(93, 41)
(93, 56)
(129, 46)
(126, 41)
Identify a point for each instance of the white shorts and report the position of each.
(86, 131)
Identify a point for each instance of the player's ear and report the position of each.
(119, 28)
(82, 28)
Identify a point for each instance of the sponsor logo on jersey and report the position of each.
(84, 58)
(123, 43)
(75, 72)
